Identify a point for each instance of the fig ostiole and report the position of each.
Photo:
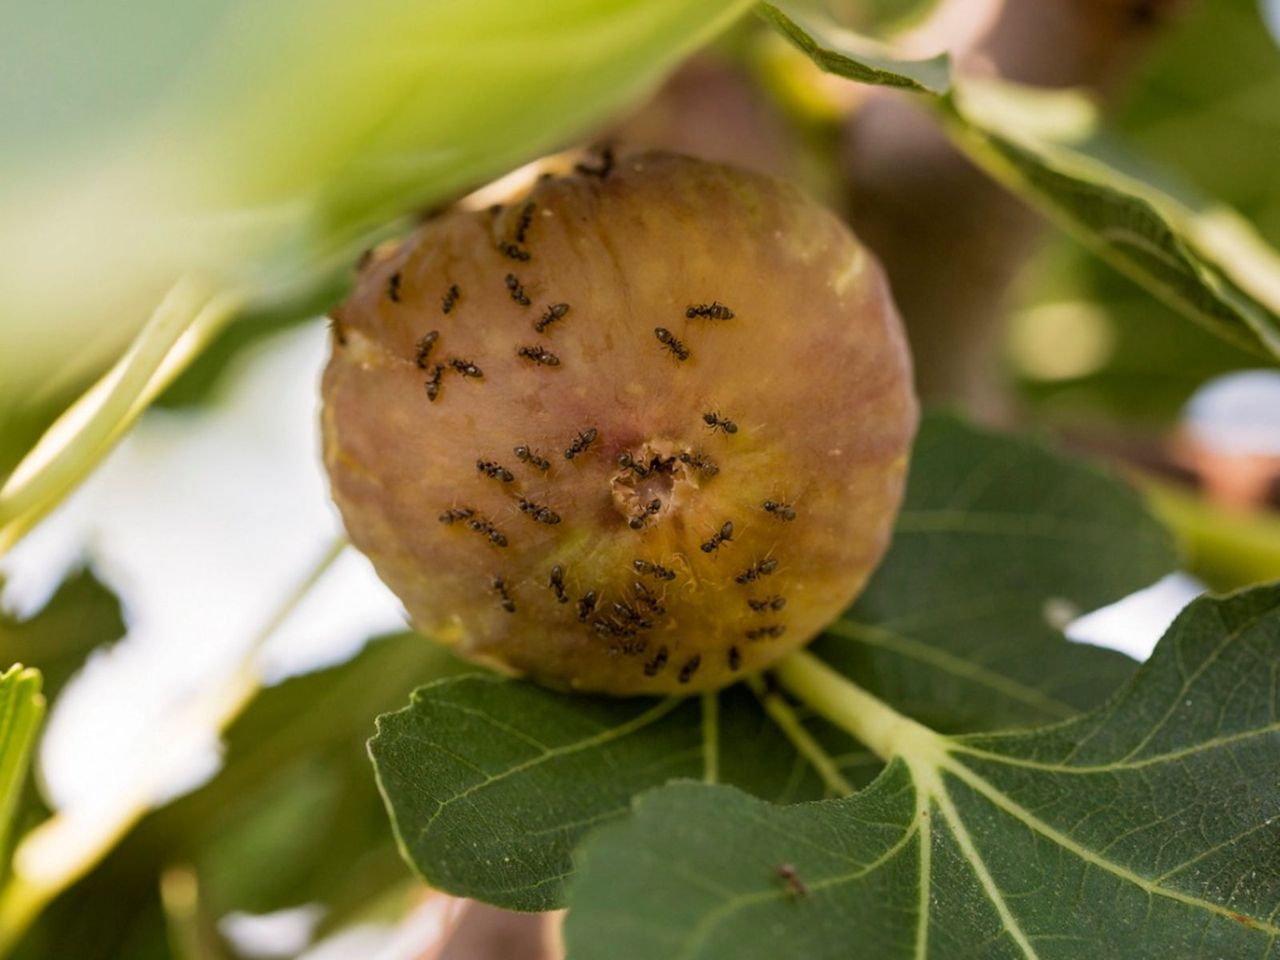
(643, 430)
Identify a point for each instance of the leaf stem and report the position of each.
(711, 737)
(780, 712)
(188, 317)
(837, 698)
(66, 846)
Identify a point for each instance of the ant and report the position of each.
(656, 570)
(735, 658)
(539, 356)
(761, 568)
(768, 603)
(603, 170)
(556, 582)
(433, 382)
(717, 422)
(654, 666)
(649, 509)
(586, 605)
(581, 442)
(715, 310)
(500, 588)
(526, 219)
(787, 874)
(508, 249)
(538, 512)
(690, 668)
(450, 298)
(724, 534)
(465, 367)
(424, 348)
(525, 455)
(393, 287)
(771, 632)
(783, 511)
(456, 514)
(668, 340)
(495, 471)
(516, 289)
(553, 313)
(700, 463)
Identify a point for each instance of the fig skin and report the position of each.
(727, 333)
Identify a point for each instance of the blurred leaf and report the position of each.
(21, 711)
(1000, 541)
(289, 135)
(854, 56)
(256, 837)
(1211, 270)
(491, 783)
(82, 616)
(1146, 829)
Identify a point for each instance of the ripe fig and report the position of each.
(643, 430)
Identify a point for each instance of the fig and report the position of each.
(641, 430)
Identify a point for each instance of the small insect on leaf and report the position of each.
(539, 356)
(581, 443)
(787, 874)
(552, 314)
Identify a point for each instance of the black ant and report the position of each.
(450, 298)
(526, 219)
(495, 471)
(735, 658)
(783, 511)
(653, 667)
(773, 631)
(538, 512)
(656, 570)
(514, 251)
(500, 588)
(717, 422)
(690, 668)
(556, 582)
(715, 310)
(724, 534)
(393, 287)
(647, 511)
(700, 463)
(433, 382)
(516, 289)
(646, 598)
(480, 525)
(581, 442)
(586, 605)
(465, 367)
(668, 340)
(761, 568)
(525, 455)
(553, 313)
(456, 514)
(424, 348)
(768, 603)
(539, 356)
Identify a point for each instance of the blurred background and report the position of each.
(212, 656)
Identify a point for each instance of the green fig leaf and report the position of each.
(1149, 828)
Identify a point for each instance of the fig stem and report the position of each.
(780, 712)
(835, 697)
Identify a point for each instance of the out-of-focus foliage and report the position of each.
(21, 710)
(293, 818)
(80, 617)
(260, 147)
(1207, 106)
